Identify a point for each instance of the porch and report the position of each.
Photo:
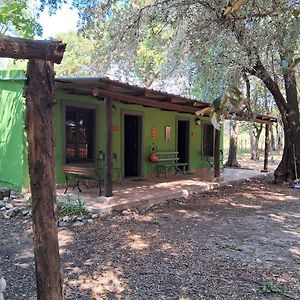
(143, 193)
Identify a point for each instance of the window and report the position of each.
(79, 134)
(208, 140)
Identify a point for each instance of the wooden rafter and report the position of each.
(144, 101)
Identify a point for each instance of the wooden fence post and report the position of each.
(39, 93)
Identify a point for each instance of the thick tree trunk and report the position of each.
(252, 143)
(286, 168)
(39, 93)
(232, 156)
(289, 110)
(27, 49)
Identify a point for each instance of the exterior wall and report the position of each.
(12, 134)
(152, 117)
(13, 147)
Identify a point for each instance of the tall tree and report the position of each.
(78, 59)
(257, 37)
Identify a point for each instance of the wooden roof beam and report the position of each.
(144, 101)
(31, 49)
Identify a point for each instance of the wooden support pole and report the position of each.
(267, 147)
(217, 153)
(31, 49)
(39, 93)
(109, 147)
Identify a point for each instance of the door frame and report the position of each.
(180, 118)
(140, 145)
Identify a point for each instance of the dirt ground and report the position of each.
(240, 242)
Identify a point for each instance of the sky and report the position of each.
(64, 20)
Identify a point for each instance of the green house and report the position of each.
(143, 120)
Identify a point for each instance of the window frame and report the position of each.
(204, 124)
(82, 105)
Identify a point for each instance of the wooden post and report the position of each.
(109, 147)
(267, 148)
(39, 93)
(217, 153)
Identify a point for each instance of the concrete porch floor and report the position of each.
(130, 194)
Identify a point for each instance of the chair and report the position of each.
(101, 163)
(116, 169)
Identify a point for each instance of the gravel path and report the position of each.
(239, 242)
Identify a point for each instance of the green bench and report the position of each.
(81, 174)
(169, 160)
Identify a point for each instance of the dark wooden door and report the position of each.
(183, 129)
(132, 145)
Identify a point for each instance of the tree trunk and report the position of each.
(279, 136)
(273, 140)
(289, 110)
(28, 49)
(39, 93)
(252, 142)
(232, 156)
(258, 131)
(286, 168)
(217, 153)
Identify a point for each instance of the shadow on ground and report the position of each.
(229, 243)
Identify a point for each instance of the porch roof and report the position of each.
(104, 87)
(101, 87)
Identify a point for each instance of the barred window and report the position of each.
(208, 140)
(79, 134)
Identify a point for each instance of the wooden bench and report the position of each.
(83, 175)
(169, 160)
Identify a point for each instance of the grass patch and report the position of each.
(72, 207)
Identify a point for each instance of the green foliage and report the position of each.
(150, 56)
(73, 208)
(29, 201)
(218, 43)
(17, 18)
(222, 106)
(270, 288)
(78, 57)
(52, 5)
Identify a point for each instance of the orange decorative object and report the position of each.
(153, 134)
(116, 128)
(153, 158)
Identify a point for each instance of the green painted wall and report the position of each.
(11, 131)
(152, 117)
(13, 144)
